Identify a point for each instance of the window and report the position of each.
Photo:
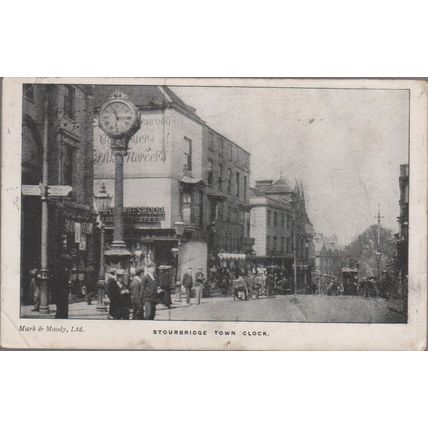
(68, 165)
(28, 91)
(198, 208)
(269, 217)
(288, 245)
(220, 147)
(213, 211)
(69, 101)
(238, 185)
(220, 177)
(268, 244)
(187, 154)
(229, 180)
(282, 221)
(282, 244)
(210, 172)
(230, 152)
(221, 210)
(275, 218)
(288, 221)
(274, 243)
(211, 141)
(245, 187)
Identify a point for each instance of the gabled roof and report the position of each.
(144, 96)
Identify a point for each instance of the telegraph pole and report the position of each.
(378, 253)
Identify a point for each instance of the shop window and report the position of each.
(187, 154)
(69, 101)
(187, 203)
(197, 216)
(210, 172)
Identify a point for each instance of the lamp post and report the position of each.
(179, 231)
(102, 201)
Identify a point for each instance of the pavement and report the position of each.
(289, 308)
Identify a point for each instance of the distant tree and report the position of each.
(362, 250)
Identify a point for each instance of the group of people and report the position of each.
(141, 296)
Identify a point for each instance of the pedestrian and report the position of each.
(165, 285)
(111, 286)
(62, 286)
(188, 284)
(120, 297)
(35, 288)
(199, 284)
(90, 284)
(137, 294)
(150, 292)
(251, 284)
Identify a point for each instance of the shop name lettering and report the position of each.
(138, 215)
(101, 158)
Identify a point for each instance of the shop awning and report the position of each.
(231, 256)
(190, 180)
(214, 194)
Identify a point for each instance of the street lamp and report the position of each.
(102, 201)
(179, 231)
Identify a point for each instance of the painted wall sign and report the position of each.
(148, 148)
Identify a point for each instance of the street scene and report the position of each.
(274, 204)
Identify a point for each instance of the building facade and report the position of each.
(328, 261)
(402, 243)
(281, 227)
(68, 130)
(171, 173)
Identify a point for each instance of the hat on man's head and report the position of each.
(139, 270)
(120, 272)
(151, 264)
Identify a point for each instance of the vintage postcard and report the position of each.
(224, 214)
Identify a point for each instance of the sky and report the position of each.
(345, 145)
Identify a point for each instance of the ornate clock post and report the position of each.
(120, 120)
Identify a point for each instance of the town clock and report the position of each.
(118, 116)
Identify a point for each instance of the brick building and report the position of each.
(71, 218)
(177, 168)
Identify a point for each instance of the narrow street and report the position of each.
(300, 308)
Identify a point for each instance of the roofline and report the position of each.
(226, 138)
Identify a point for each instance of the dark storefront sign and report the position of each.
(137, 215)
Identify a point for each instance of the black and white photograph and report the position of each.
(197, 203)
(214, 213)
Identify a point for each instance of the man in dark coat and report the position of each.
(120, 297)
(150, 292)
(188, 284)
(137, 294)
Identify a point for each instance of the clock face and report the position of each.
(117, 117)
